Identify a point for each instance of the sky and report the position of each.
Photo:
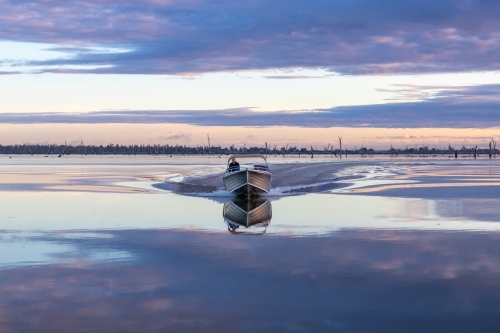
(303, 72)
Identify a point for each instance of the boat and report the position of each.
(244, 214)
(248, 179)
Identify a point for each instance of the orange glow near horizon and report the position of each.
(173, 134)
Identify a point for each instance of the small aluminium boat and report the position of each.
(248, 179)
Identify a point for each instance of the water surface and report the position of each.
(120, 245)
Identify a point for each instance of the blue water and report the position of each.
(399, 247)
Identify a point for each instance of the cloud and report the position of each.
(185, 137)
(190, 37)
(9, 72)
(290, 77)
(458, 107)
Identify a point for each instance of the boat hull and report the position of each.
(248, 182)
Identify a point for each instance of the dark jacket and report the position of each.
(234, 166)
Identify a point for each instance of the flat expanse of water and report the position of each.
(140, 244)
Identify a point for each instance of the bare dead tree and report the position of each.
(208, 138)
(340, 144)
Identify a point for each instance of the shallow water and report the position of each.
(381, 245)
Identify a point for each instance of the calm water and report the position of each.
(141, 245)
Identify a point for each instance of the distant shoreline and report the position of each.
(54, 149)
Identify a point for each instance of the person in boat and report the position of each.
(234, 166)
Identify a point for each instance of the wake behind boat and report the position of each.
(248, 179)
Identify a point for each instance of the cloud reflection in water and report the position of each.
(350, 281)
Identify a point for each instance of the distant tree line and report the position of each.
(116, 149)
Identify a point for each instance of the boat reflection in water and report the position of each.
(247, 215)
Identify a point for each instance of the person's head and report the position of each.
(233, 160)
